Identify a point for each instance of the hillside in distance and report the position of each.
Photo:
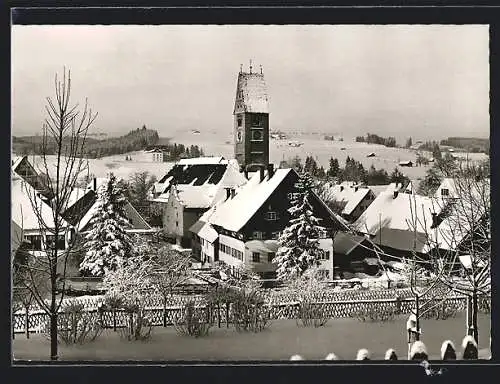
(135, 140)
(472, 144)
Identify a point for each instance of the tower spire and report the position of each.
(261, 69)
(250, 65)
(241, 68)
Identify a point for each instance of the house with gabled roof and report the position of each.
(192, 187)
(83, 204)
(352, 197)
(447, 189)
(249, 222)
(22, 167)
(388, 222)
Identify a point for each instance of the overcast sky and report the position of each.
(420, 81)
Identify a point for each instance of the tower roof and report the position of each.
(251, 93)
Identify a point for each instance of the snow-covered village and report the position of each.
(249, 222)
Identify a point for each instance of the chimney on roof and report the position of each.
(261, 170)
(396, 192)
(261, 69)
(241, 68)
(270, 170)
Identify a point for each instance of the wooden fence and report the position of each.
(221, 315)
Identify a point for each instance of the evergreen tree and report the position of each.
(299, 245)
(334, 169)
(436, 152)
(107, 243)
(398, 177)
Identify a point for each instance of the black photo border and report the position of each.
(238, 12)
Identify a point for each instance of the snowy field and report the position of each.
(217, 144)
(388, 158)
(141, 161)
(280, 341)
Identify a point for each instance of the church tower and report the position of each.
(251, 120)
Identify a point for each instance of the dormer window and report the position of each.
(258, 235)
(271, 216)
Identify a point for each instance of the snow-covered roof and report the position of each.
(203, 160)
(394, 215)
(449, 184)
(16, 160)
(348, 193)
(463, 214)
(207, 194)
(234, 213)
(196, 171)
(208, 233)
(267, 246)
(378, 189)
(251, 93)
(139, 222)
(75, 195)
(192, 196)
(22, 210)
(344, 242)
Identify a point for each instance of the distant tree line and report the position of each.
(352, 171)
(133, 141)
(471, 144)
(376, 139)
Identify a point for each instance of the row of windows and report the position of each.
(256, 257)
(38, 243)
(271, 216)
(258, 235)
(231, 251)
(324, 255)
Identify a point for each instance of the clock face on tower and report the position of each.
(239, 136)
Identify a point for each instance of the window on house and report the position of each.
(256, 257)
(271, 215)
(36, 242)
(240, 121)
(324, 273)
(445, 192)
(325, 255)
(61, 244)
(293, 196)
(275, 235)
(176, 223)
(258, 235)
(322, 233)
(257, 135)
(270, 256)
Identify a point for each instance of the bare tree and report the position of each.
(169, 269)
(65, 129)
(459, 239)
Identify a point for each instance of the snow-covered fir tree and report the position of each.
(107, 243)
(299, 243)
